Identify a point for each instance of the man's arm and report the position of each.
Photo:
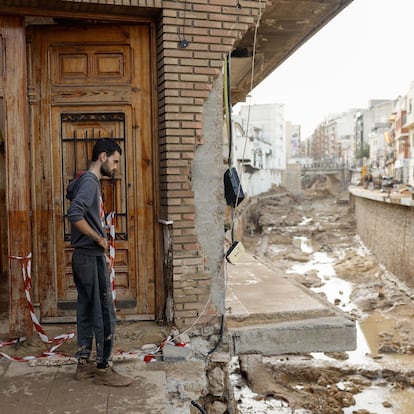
(86, 229)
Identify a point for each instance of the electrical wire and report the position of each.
(256, 28)
(180, 32)
(197, 405)
(227, 103)
(229, 127)
(204, 309)
(220, 336)
(228, 112)
(228, 109)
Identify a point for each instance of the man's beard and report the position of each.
(105, 171)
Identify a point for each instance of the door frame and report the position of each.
(35, 152)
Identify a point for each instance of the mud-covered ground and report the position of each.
(277, 225)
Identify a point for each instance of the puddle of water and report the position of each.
(320, 261)
(305, 221)
(404, 401)
(276, 249)
(372, 400)
(249, 402)
(372, 325)
(337, 292)
(305, 244)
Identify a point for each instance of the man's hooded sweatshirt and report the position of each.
(84, 192)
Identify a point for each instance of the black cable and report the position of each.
(227, 103)
(182, 41)
(197, 405)
(220, 337)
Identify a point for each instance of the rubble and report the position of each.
(302, 382)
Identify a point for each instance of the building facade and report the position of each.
(410, 130)
(260, 146)
(148, 73)
(78, 71)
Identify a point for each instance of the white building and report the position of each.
(259, 146)
(376, 120)
(345, 133)
(410, 126)
(377, 148)
(293, 138)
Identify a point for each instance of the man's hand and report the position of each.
(108, 261)
(103, 242)
(85, 228)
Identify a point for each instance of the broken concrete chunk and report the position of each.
(176, 353)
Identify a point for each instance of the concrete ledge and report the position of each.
(385, 225)
(270, 314)
(377, 195)
(332, 334)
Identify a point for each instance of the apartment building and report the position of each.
(260, 146)
(409, 125)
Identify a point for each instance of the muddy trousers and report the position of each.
(95, 312)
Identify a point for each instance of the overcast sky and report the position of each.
(366, 52)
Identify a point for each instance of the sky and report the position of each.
(365, 52)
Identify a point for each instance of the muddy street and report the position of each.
(313, 240)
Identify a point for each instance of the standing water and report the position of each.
(378, 396)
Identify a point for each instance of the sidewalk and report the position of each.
(158, 388)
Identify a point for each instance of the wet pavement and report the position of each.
(157, 388)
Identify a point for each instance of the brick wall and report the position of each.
(186, 76)
(387, 230)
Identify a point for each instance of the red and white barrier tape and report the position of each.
(152, 357)
(59, 340)
(110, 221)
(13, 342)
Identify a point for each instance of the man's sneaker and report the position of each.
(85, 370)
(108, 376)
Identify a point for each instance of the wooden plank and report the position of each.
(160, 293)
(4, 262)
(168, 271)
(111, 14)
(142, 127)
(17, 168)
(44, 255)
(90, 94)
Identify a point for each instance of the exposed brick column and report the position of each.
(186, 76)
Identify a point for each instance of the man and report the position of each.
(95, 313)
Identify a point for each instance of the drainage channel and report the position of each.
(380, 396)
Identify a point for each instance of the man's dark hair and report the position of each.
(107, 145)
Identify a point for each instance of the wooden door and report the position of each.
(87, 83)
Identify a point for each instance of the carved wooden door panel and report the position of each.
(87, 83)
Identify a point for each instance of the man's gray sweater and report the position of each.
(84, 192)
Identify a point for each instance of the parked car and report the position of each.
(389, 182)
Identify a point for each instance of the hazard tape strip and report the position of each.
(110, 221)
(57, 341)
(152, 357)
(13, 342)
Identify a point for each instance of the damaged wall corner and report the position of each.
(207, 182)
